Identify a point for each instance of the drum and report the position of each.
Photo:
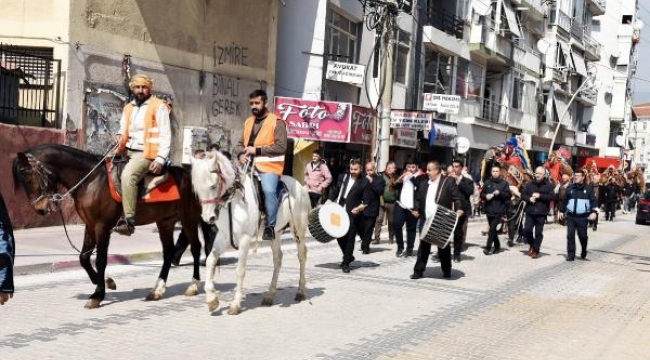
(439, 227)
(328, 222)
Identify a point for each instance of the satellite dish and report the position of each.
(616, 53)
(638, 25)
(462, 144)
(543, 45)
(619, 140)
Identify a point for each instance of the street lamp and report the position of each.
(589, 83)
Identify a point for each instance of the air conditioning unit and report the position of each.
(566, 75)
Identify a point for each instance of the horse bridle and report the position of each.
(44, 174)
(229, 193)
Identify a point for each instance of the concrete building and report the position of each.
(639, 137)
(618, 31)
(205, 60)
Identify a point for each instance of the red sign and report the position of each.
(362, 125)
(315, 120)
(326, 120)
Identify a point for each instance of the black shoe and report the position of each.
(446, 275)
(457, 258)
(346, 268)
(570, 258)
(365, 252)
(125, 227)
(510, 243)
(595, 228)
(583, 254)
(269, 233)
(408, 253)
(417, 275)
(486, 252)
(399, 253)
(496, 251)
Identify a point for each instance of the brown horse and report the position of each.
(41, 169)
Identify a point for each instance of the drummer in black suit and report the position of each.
(353, 194)
(440, 190)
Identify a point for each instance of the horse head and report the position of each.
(213, 179)
(37, 180)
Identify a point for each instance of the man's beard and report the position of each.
(141, 98)
(258, 113)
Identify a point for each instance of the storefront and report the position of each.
(481, 139)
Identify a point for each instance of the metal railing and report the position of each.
(30, 89)
(486, 109)
(559, 18)
(446, 22)
(577, 30)
(591, 46)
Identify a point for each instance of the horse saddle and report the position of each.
(282, 192)
(153, 188)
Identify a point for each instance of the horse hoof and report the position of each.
(213, 305)
(234, 310)
(110, 283)
(153, 296)
(267, 301)
(192, 290)
(300, 297)
(92, 304)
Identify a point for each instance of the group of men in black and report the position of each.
(362, 196)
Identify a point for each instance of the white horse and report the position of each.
(221, 192)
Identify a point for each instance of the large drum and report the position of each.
(328, 222)
(439, 226)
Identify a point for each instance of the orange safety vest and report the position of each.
(265, 137)
(151, 131)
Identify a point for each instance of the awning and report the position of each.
(481, 137)
(512, 19)
(566, 50)
(603, 162)
(579, 62)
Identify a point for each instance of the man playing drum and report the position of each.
(442, 191)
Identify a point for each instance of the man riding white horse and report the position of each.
(265, 139)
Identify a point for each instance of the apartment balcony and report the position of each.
(484, 109)
(577, 31)
(522, 120)
(588, 98)
(535, 8)
(597, 7)
(446, 22)
(561, 20)
(495, 48)
(592, 47)
(527, 57)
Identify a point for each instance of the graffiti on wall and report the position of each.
(231, 54)
(104, 109)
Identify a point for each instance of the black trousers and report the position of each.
(368, 228)
(346, 243)
(574, 223)
(535, 222)
(493, 237)
(400, 217)
(610, 210)
(314, 198)
(424, 250)
(459, 234)
(209, 234)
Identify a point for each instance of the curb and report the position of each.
(58, 266)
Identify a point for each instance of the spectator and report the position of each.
(387, 208)
(7, 254)
(375, 190)
(317, 178)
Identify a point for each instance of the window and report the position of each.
(517, 93)
(626, 19)
(342, 38)
(461, 77)
(437, 72)
(402, 39)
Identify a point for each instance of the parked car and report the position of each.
(643, 209)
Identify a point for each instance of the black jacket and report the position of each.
(357, 195)
(375, 190)
(498, 205)
(447, 195)
(610, 192)
(465, 191)
(546, 195)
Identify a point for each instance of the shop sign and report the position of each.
(584, 152)
(345, 72)
(362, 125)
(326, 120)
(415, 120)
(442, 135)
(404, 138)
(538, 143)
(446, 104)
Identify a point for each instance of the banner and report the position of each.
(446, 104)
(345, 72)
(315, 120)
(362, 125)
(415, 120)
(404, 138)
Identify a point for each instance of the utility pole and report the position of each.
(383, 133)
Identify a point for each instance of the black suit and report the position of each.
(358, 194)
(465, 191)
(446, 196)
(375, 191)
